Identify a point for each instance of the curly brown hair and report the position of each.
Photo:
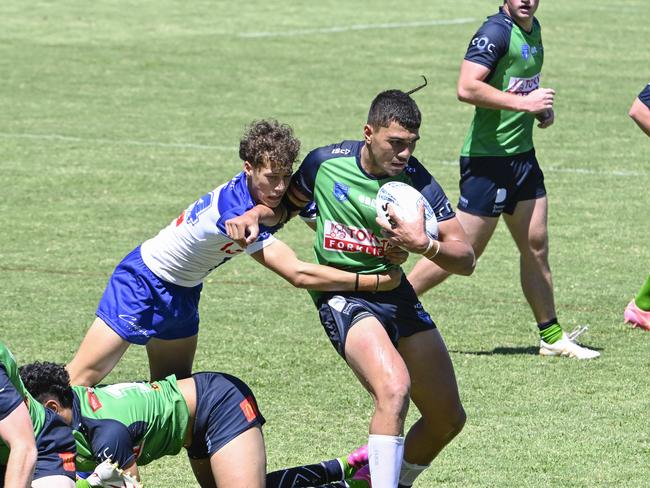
(269, 141)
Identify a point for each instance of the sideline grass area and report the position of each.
(116, 115)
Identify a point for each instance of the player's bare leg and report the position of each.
(381, 369)
(171, 357)
(434, 392)
(528, 227)
(239, 464)
(97, 355)
(426, 274)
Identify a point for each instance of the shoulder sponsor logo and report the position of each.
(93, 401)
(249, 408)
(341, 191)
(523, 86)
(533, 50)
(483, 44)
(348, 238)
(525, 51)
(341, 150)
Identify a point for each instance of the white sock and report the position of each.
(385, 453)
(410, 472)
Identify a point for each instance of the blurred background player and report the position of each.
(36, 447)
(213, 415)
(499, 173)
(387, 338)
(152, 297)
(637, 312)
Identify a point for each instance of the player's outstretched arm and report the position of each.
(473, 89)
(451, 251)
(281, 259)
(244, 229)
(17, 431)
(640, 113)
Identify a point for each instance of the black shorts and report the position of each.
(56, 448)
(490, 185)
(225, 408)
(399, 311)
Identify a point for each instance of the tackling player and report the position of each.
(637, 312)
(213, 415)
(387, 338)
(499, 172)
(36, 447)
(152, 297)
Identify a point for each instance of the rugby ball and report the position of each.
(405, 200)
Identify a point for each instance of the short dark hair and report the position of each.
(269, 141)
(394, 106)
(45, 381)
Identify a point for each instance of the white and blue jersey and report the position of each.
(155, 290)
(196, 243)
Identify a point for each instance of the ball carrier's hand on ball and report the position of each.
(409, 235)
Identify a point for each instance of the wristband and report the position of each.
(356, 282)
(432, 242)
(377, 284)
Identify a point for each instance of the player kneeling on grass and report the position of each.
(36, 447)
(213, 415)
(153, 295)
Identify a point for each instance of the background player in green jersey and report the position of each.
(36, 447)
(637, 312)
(499, 172)
(387, 338)
(213, 415)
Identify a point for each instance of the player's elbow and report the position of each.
(464, 93)
(467, 263)
(300, 277)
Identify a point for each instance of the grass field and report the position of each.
(117, 114)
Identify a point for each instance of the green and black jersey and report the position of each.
(515, 59)
(347, 235)
(127, 422)
(12, 394)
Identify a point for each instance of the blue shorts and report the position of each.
(56, 448)
(138, 305)
(399, 311)
(490, 185)
(225, 408)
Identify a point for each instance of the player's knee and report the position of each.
(394, 396)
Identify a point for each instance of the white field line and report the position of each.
(179, 145)
(355, 27)
(580, 171)
(115, 142)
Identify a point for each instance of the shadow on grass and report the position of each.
(509, 351)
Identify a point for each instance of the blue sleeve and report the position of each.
(9, 396)
(644, 96)
(490, 43)
(426, 184)
(110, 439)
